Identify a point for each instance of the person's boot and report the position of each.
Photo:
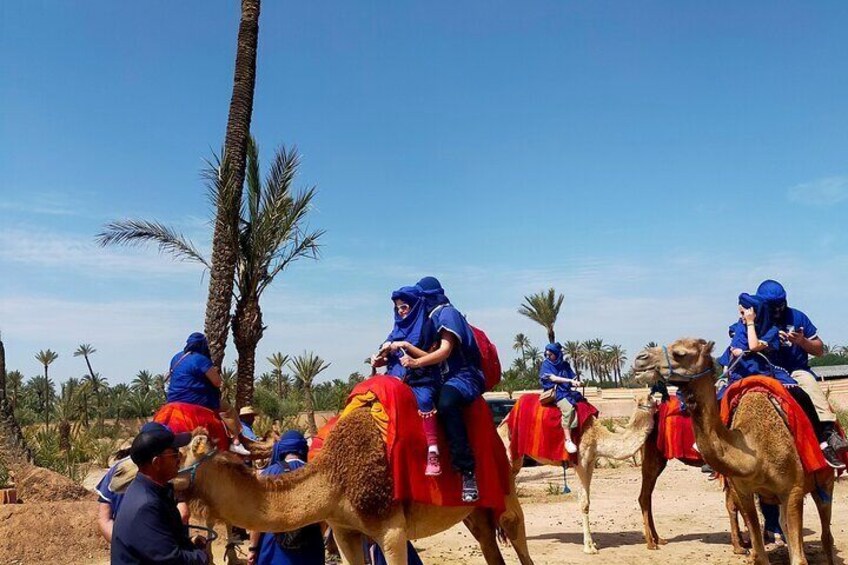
(831, 457)
(469, 487)
(836, 441)
(570, 446)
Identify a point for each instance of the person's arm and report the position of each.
(253, 548)
(104, 520)
(754, 342)
(410, 349)
(559, 380)
(813, 346)
(214, 376)
(446, 345)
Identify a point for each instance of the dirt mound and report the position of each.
(51, 533)
(43, 485)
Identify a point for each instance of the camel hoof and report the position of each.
(591, 549)
(662, 541)
(653, 546)
(740, 551)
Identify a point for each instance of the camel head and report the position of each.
(199, 448)
(681, 362)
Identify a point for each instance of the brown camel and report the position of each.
(757, 454)
(349, 486)
(653, 464)
(597, 441)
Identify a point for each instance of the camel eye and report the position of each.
(678, 354)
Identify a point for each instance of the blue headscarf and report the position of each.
(434, 294)
(763, 321)
(772, 292)
(556, 365)
(197, 343)
(291, 442)
(415, 328)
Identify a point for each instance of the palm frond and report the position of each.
(142, 232)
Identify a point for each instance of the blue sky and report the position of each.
(648, 160)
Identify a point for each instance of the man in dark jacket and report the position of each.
(148, 528)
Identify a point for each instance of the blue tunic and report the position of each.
(564, 391)
(752, 363)
(189, 384)
(793, 357)
(461, 370)
(105, 494)
(271, 552)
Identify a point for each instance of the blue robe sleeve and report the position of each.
(451, 320)
(158, 544)
(810, 329)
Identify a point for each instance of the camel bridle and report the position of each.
(685, 377)
(192, 469)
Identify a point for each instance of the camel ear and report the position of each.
(709, 347)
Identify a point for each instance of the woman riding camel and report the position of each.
(300, 547)
(462, 378)
(195, 382)
(414, 335)
(556, 373)
(754, 345)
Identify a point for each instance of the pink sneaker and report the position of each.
(434, 466)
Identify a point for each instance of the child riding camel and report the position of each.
(556, 373)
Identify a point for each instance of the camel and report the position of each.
(757, 454)
(349, 486)
(653, 464)
(597, 441)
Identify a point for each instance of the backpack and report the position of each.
(489, 361)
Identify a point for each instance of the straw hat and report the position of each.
(247, 411)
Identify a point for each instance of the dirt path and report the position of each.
(689, 512)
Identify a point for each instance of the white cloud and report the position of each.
(822, 192)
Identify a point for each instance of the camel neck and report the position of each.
(269, 504)
(723, 449)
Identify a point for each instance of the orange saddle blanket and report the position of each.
(183, 417)
(536, 430)
(676, 433)
(393, 407)
(318, 441)
(799, 425)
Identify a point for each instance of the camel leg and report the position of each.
(392, 541)
(349, 543)
(653, 464)
(481, 524)
(584, 471)
(748, 508)
(825, 508)
(512, 524)
(733, 513)
(792, 514)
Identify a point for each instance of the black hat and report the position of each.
(153, 439)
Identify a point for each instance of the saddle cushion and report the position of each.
(536, 430)
(183, 417)
(799, 425)
(676, 433)
(393, 407)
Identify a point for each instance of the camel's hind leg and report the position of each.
(584, 471)
(825, 507)
(653, 464)
(792, 516)
(481, 524)
(512, 523)
(748, 508)
(349, 543)
(392, 541)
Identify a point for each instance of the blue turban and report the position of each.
(197, 343)
(772, 292)
(556, 366)
(763, 321)
(291, 442)
(416, 327)
(434, 294)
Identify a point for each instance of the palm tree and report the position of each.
(278, 360)
(618, 358)
(46, 358)
(521, 343)
(14, 380)
(98, 386)
(143, 381)
(575, 353)
(85, 350)
(159, 389)
(228, 385)
(232, 174)
(267, 381)
(543, 308)
(2, 374)
(271, 236)
(305, 368)
(510, 382)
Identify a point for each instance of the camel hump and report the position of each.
(355, 456)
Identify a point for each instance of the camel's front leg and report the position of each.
(393, 543)
(512, 522)
(349, 543)
(584, 471)
(825, 508)
(481, 524)
(653, 464)
(792, 518)
(733, 514)
(749, 513)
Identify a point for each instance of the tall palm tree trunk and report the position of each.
(46, 400)
(247, 331)
(551, 335)
(309, 405)
(224, 245)
(2, 375)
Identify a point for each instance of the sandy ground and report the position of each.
(688, 509)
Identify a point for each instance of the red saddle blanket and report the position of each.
(182, 417)
(395, 412)
(799, 425)
(676, 433)
(536, 430)
(318, 441)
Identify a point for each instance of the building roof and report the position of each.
(831, 371)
